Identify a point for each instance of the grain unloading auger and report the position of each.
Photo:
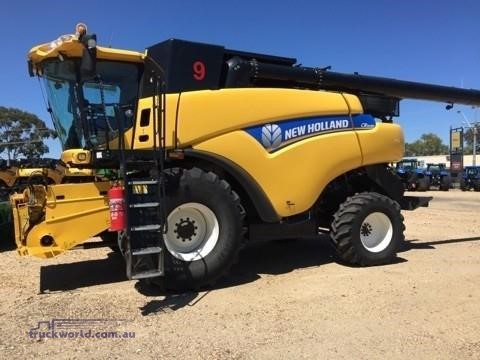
(215, 147)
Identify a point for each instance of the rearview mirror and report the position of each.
(88, 65)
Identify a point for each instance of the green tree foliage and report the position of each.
(23, 134)
(428, 144)
(468, 139)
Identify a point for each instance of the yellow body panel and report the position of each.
(382, 144)
(294, 176)
(26, 172)
(144, 132)
(205, 114)
(353, 103)
(73, 214)
(74, 172)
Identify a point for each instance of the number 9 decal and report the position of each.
(199, 70)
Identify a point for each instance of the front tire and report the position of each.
(205, 229)
(411, 184)
(111, 238)
(368, 229)
(423, 184)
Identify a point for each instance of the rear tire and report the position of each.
(205, 229)
(423, 184)
(368, 229)
(476, 185)
(445, 183)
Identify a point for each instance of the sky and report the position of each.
(423, 40)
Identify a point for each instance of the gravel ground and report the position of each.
(286, 299)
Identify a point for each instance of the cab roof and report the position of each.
(70, 46)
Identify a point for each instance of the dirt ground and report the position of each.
(284, 300)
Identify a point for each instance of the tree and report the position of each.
(428, 144)
(23, 134)
(468, 139)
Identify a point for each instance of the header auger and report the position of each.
(216, 147)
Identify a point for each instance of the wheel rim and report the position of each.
(193, 231)
(376, 232)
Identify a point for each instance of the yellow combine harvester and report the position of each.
(214, 147)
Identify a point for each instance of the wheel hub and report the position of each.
(366, 229)
(185, 229)
(193, 231)
(376, 232)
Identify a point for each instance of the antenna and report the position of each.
(110, 41)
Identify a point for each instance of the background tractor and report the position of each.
(412, 174)
(470, 178)
(438, 176)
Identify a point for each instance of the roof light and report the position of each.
(80, 30)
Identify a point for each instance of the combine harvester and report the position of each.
(216, 147)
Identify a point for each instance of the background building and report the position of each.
(434, 159)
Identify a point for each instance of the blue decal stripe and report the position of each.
(363, 121)
(274, 135)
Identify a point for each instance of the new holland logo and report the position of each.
(271, 135)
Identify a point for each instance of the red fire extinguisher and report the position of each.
(116, 204)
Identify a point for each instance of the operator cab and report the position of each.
(406, 165)
(91, 92)
(85, 110)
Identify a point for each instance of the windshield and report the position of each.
(408, 165)
(88, 112)
(435, 168)
(472, 171)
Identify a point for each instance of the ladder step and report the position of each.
(146, 227)
(147, 250)
(142, 182)
(147, 274)
(145, 205)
